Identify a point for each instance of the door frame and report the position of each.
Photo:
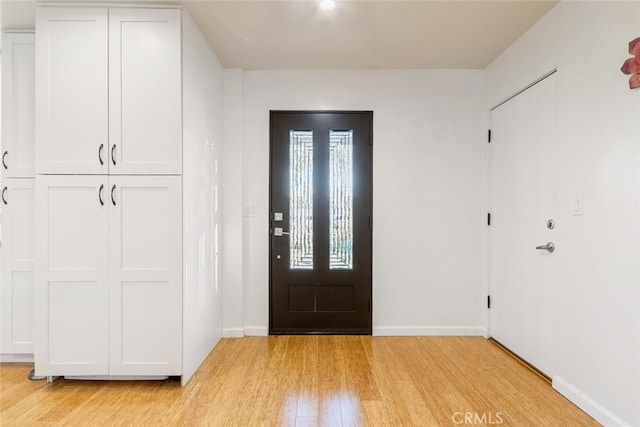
(369, 330)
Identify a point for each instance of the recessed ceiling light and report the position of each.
(327, 5)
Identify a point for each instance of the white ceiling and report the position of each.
(358, 34)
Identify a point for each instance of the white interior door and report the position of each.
(145, 101)
(145, 275)
(18, 266)
(72, 94)
(72, 298)
(522, 200)
(18, 105)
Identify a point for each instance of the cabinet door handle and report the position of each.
(3, 199)
(113, 154)
(100, 194)
(100, 154)
(113, 199)
(4, 156)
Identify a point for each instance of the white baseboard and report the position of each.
(16, 358)
(261, 331)
(233, 333)
(247, 331)
(588, 405)
(256, 331)
(413, 331)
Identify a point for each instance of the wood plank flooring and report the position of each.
(308, 381)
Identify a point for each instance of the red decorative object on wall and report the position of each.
(632, 65)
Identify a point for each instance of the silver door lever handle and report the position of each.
(278, 232)
(550, 247)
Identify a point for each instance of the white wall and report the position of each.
(597, 296)
(429, 128)
(201, 182)
(232, 201)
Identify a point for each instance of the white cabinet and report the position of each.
(109, 93)
(72, 91)
(145, 114)
(17, 164)
(72, 293)
(109, 283)
(113, 296)
(18, 266)
(145, 275)
(18, 105)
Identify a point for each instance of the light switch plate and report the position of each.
(576, 206)
(250, 210)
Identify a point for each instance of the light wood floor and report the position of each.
(308, 381)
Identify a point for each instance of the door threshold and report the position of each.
(333, 332)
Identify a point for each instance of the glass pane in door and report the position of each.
(341, 200)
(301, 200)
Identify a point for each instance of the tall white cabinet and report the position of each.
(110, 275)
(17, 165)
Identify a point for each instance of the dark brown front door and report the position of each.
(320, 222)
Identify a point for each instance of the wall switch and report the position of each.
(576, 206)
(250, 210)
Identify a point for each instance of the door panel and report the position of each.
(321, 199)
(18, 105)
(145, 275)
(72, 95)
(18, 266)
(76, 316)
(522, 199)
(145, 91)
(72, 294)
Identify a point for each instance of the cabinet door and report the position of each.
(71, 91)
(18, 266)
(145, 91)
(72, 298)
(18, 105)
(145, 253)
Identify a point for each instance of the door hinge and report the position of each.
(371, 138)
(489, 218)
(369, 306)
(488, 301)
(370, 223)
(489, 136)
